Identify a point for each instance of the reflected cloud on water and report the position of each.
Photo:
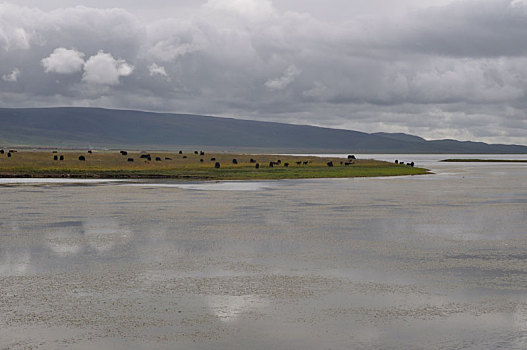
(213, 186)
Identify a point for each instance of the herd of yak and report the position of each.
(217, 165)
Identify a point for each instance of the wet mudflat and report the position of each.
(434, 262)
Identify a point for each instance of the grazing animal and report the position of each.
(286, 164)
(351, 157)
(341, 163)
(61, 157)
(145, 156)
(278, 161)
(158, 159)
(252, 161)
(201, 160)
(149, 158)
(305, 163)
(407, 163)
(412, 164)
(180, 152)
(2, 151)
(8, 154)
(130, 159)
(212, 159)
(184, 157)
(201, 153)
(271, 164)
(168, 158)
(234, 161)
(82, 158)
(217, 165)
(298, 163)
(347, 163)
(90, 152)
(330, 164)
(396, 161)
(55, 157)
(257, 166)
(124, 153)
(195, 152)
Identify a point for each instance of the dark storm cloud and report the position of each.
(448, 71)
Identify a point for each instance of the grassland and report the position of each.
(475, 160)
(112, 164)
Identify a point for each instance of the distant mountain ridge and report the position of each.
(109, 128)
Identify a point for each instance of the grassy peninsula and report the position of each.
(196, 165)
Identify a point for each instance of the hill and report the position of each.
(108, 128)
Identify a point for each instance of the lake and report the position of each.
(418, 262)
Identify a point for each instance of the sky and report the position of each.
(434, 68)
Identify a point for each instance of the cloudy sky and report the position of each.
(435, 68)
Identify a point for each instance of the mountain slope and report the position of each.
(96, 127)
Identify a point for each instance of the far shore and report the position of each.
(459, 160)
(195, 165)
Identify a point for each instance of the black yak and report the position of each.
(82, 158)
(330, 164)
(130, 159)
(257, 166)
(124, 153)
(55, 157)
(158, 159)
(235, 161)
(217, 165)
(286, 164)
(351, 157)
(61, 157)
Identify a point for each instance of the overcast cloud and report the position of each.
(438, 69)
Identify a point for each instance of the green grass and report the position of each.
(111, 164)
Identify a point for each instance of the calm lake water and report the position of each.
(423, 262)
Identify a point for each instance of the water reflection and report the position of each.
(229, 308)
(14, 263)
(412, 262)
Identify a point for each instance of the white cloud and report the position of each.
(432, 70)
(287, 78)
(154, 69)
(63, 61)
(252, 9)
(11, 77)
(103, 69)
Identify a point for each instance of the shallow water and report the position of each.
(433, 262)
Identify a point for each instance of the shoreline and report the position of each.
(475, 160)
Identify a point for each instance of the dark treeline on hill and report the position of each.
(97, 127)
